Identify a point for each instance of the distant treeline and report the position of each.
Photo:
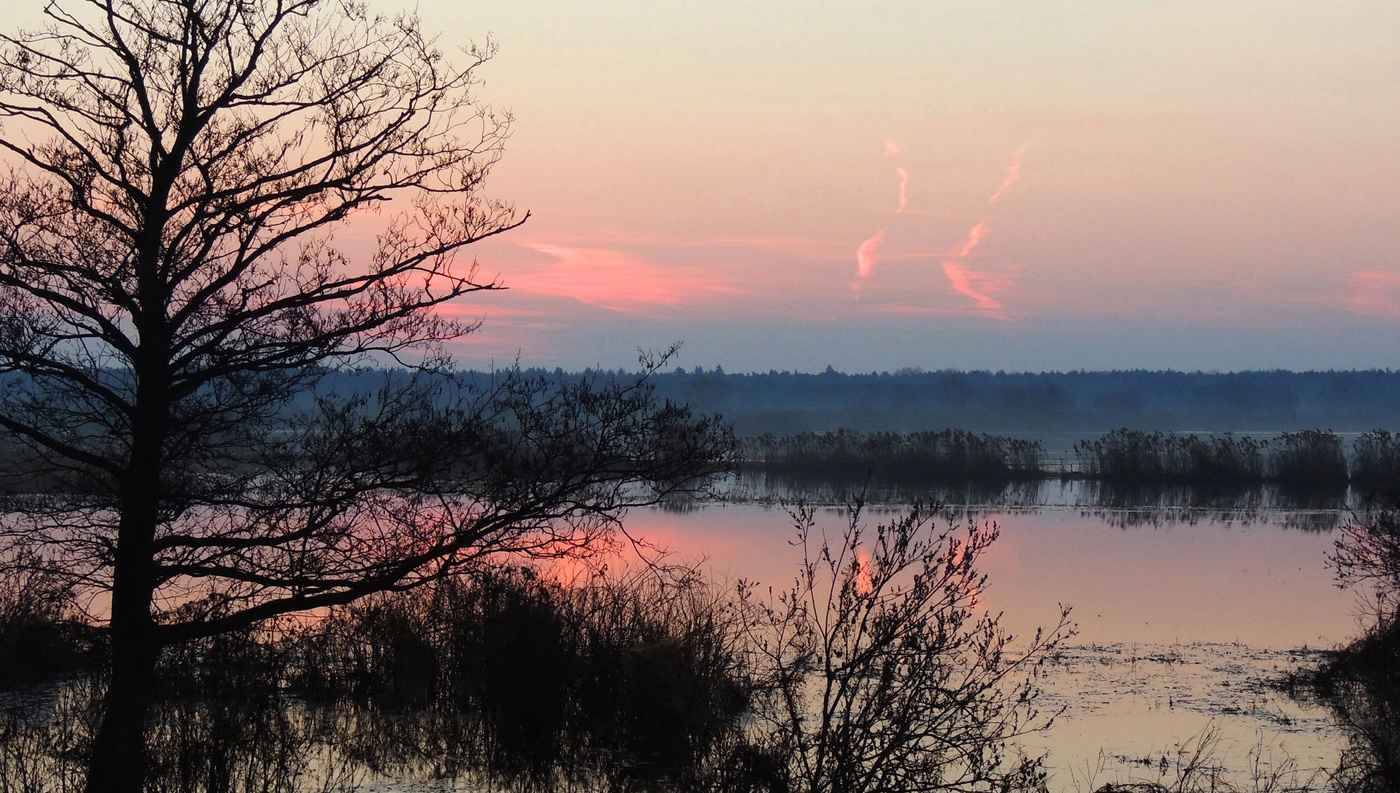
(909, 400)
(1306, 458)
(787, 403)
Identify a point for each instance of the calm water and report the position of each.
(1186, 618)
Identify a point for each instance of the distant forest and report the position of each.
(1017, 403)
(1078, 404)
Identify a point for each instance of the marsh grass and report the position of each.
(1375, 463)
(1311, 459)
(950, 453)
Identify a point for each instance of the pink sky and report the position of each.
(1018, 185)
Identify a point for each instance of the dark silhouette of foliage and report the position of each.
(504, 678)
(1362, 686)
(1361, 682)
(1311, 458)
(43, 634)
(1134, 456)
(607, 682)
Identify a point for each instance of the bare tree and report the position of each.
(882, 675)
(170, 294)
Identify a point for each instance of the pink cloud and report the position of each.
(1375, 292)
(903, 190)
(983, 288)
(867, 255)
(974, 236)
(1013, 172)
(614, 280)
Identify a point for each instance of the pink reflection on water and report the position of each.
(863, 583)
(1176, 623)
(1260, 584)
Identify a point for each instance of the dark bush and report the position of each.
(614, 682)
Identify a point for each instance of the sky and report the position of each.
(1013, 185)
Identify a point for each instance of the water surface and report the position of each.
(1188, 617)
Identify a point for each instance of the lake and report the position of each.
(1187, 618)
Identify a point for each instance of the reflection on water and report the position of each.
(1307, 509)
(1187, 624)
(1127, 707)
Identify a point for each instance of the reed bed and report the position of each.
(1308, 459)
(944, 454)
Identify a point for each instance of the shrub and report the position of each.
(881, 671)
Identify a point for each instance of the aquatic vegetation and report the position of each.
(947, 453)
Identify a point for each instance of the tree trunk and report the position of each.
(118, 762)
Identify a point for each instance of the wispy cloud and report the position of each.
(867, 255)
(893, 148)
(983, 288)
(903, 190)
(974, 236)
(1013, 173)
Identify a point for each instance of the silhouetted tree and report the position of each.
(169, 291)
(883, 673)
